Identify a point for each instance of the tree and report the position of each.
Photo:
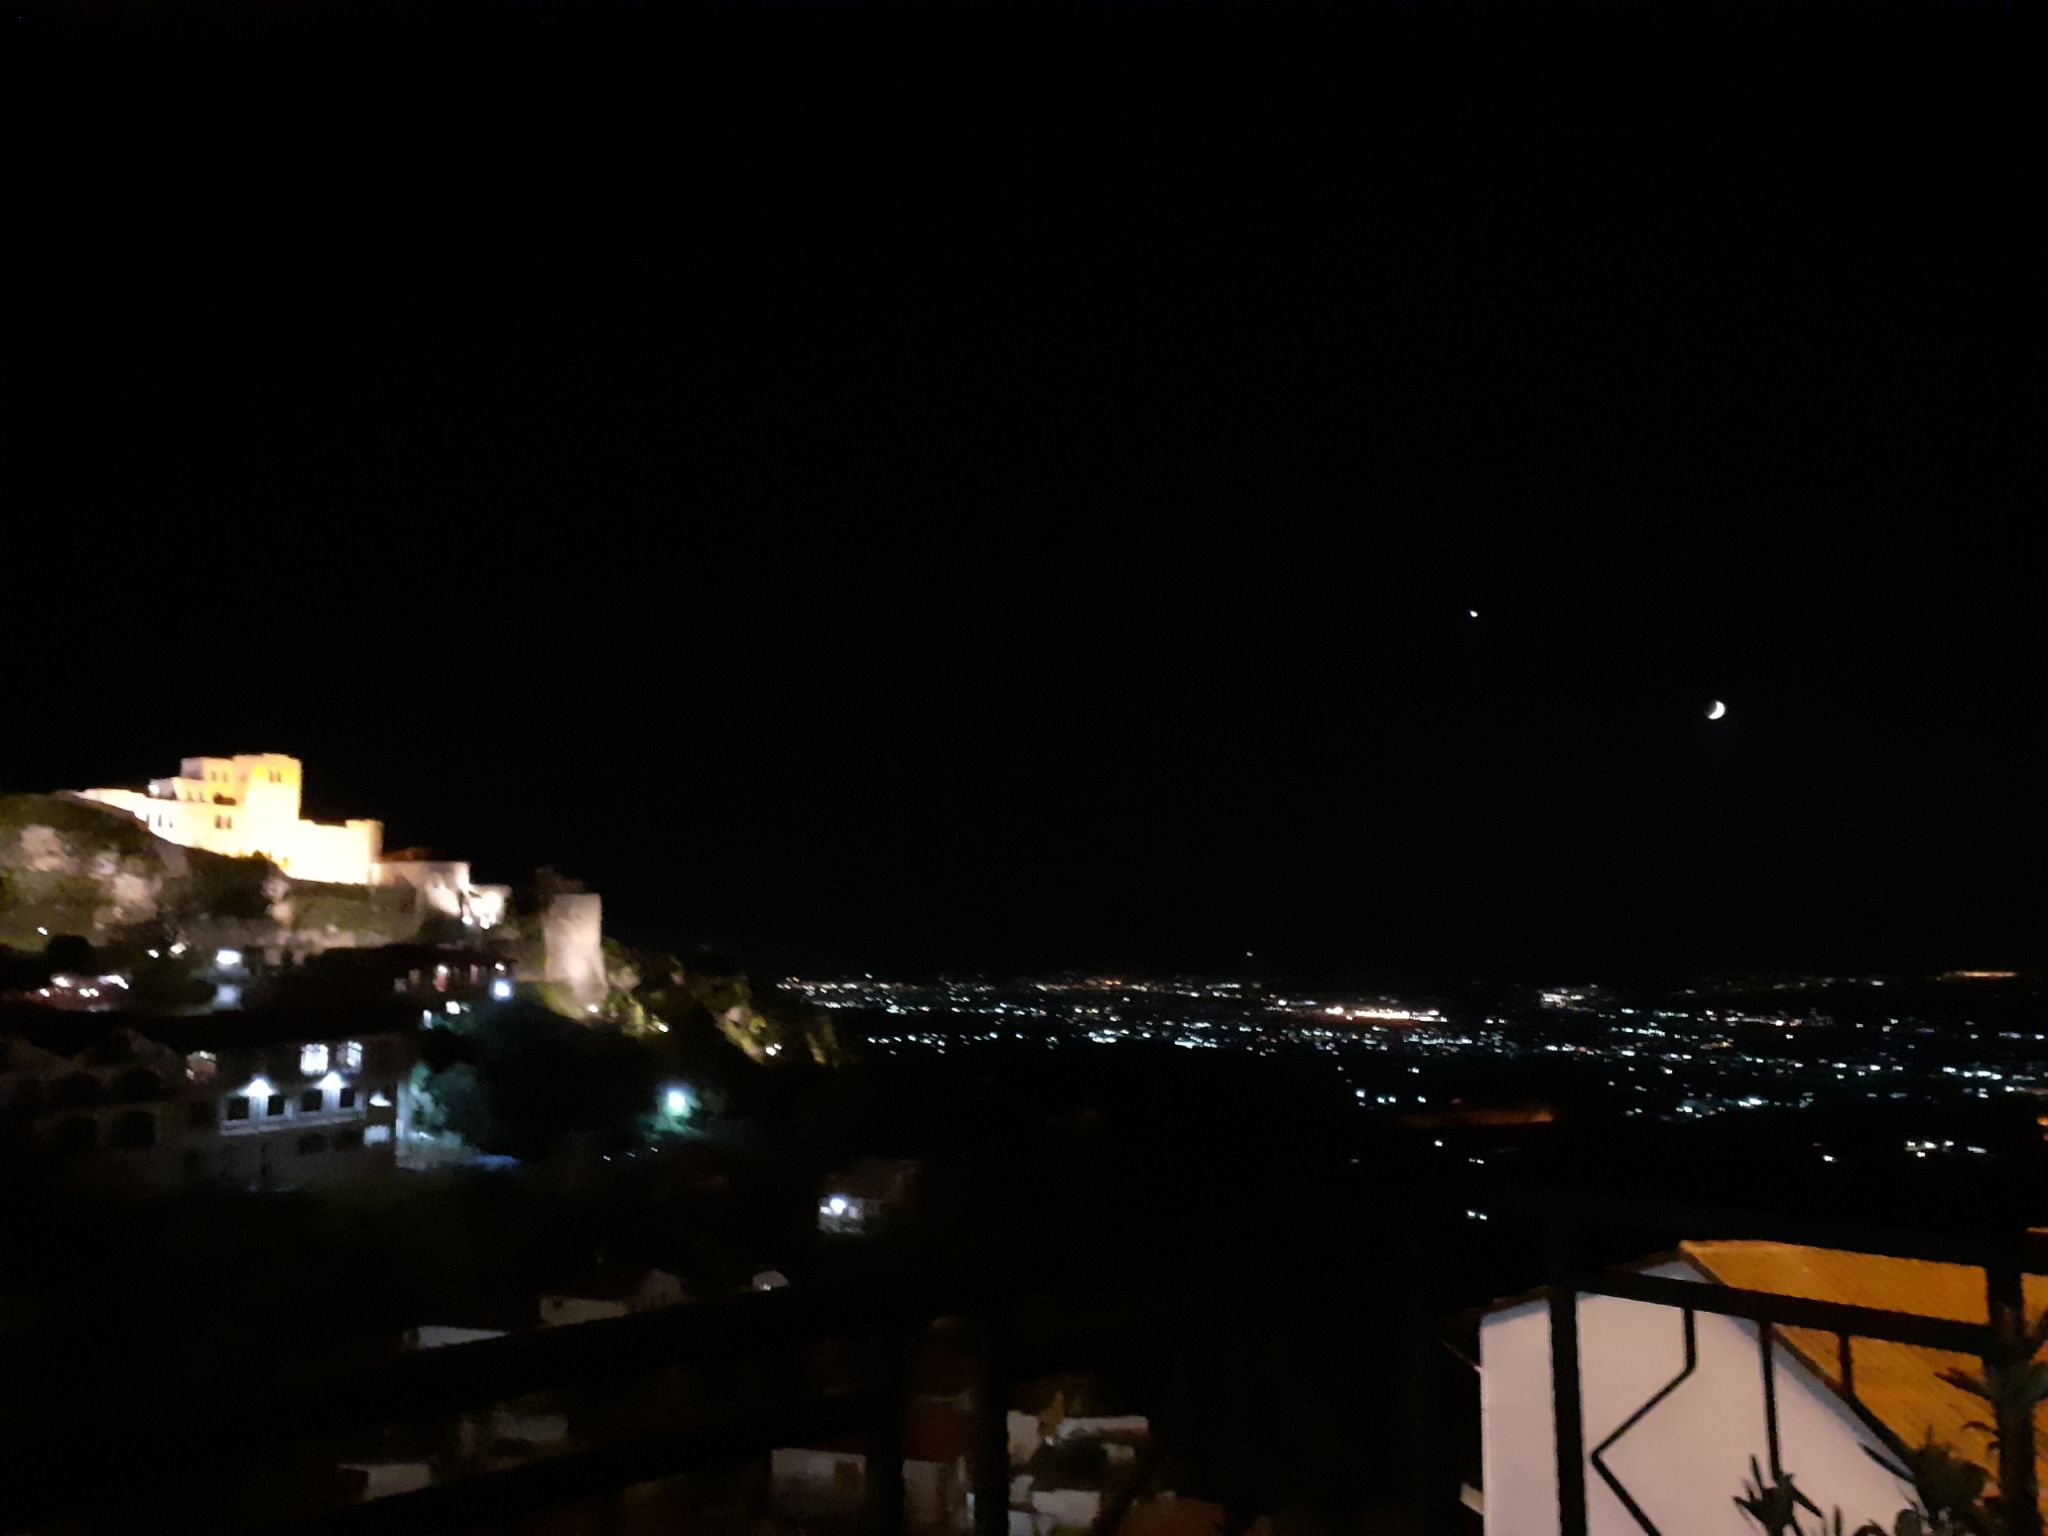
(71, 952)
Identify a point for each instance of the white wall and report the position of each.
(1687, 1460)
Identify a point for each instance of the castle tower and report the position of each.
(268, 786)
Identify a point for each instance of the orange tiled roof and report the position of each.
(1899, 1383)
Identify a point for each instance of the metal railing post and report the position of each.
(886, 1441)
(1433, 1501)
(2019, 1490)
(991, 1471)
(1567, 1416)
(1767, 1352)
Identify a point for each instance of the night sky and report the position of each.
(884, 487)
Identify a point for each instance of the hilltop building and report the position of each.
(249, 804)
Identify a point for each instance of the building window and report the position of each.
(351, 1056)
(347, 1141)
(275, 1105)
(312, 1101)
(312, 1060)
(308, 1145)
(345, 1099)
(238, 1107)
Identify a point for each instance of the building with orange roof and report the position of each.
(1674, 1402)
(1900, 1384)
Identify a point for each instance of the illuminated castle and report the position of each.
(249, 804)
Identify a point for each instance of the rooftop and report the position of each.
(68, 1032)
(1899, 1383)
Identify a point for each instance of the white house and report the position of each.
(1685, 1460)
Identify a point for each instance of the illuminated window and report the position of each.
(312, 1060)
(351, 1056)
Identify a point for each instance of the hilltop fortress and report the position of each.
(249, 805)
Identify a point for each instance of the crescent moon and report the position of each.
(1717, 710)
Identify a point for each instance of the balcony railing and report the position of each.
(768, 1348)
(1568, 1219)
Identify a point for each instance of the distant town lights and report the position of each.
(227, 959)
(501, 989)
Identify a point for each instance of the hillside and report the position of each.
(68, 866)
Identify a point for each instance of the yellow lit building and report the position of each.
(249, 804)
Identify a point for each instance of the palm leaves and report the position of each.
(1949, 1493)
(2013, 1383)
(1775, 1505)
